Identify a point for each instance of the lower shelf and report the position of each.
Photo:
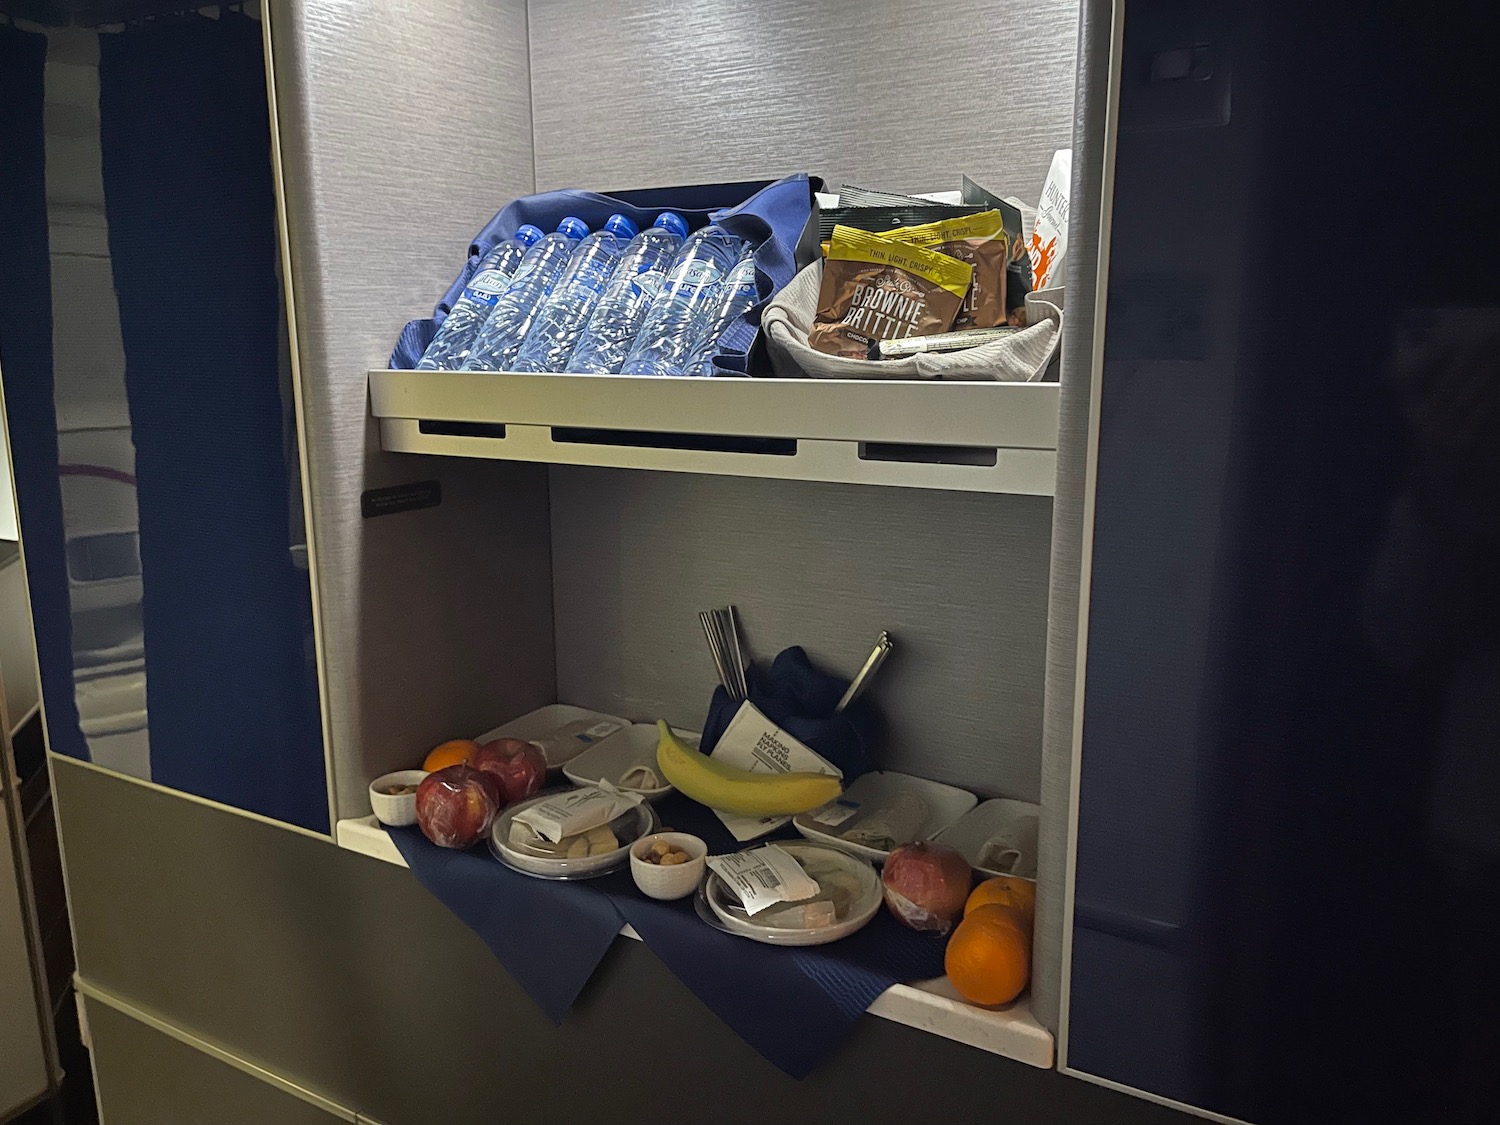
(930, 1006)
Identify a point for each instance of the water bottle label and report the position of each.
(695, 272)
(528, 264)
(487, 285)
(742, 277)
(647, 283)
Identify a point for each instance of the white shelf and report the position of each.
(930, 1006)
(970, 437)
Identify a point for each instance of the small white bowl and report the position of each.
(399, 811)
(668, 883)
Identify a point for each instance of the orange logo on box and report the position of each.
(1041, 259)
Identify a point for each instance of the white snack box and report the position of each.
(1049, 237)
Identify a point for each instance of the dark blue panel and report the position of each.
(26, 360)
(171, 454)
(1288, 871)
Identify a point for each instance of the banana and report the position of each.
(733, 790)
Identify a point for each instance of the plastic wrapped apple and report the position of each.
(519, 767)
(926, 886)
(456, 805)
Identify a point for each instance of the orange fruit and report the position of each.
(988, 958)
(455, 752)
(1005, 890)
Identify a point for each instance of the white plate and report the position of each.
(1001, 816)
(544, 867)
(945, 804)
(544, 720)
(610, 758)
(815, 858)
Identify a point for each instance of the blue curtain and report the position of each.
(26, 361)
(231, 687)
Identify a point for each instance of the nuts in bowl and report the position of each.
(664, 854)
(393, 797)
(668, 865)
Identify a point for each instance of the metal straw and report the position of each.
(738, 651)
(883, 647)
(721, 630)
(713, 647)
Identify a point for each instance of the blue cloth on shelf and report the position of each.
(549, 936)
(800, 699)
(780, 216)
(794, 1006)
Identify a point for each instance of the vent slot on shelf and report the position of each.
(494, 430)
(647, 439)
(983, 456)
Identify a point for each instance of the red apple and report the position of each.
(926, 885)
(519, 767)
(456, 805)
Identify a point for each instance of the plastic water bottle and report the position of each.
(497, 343)
(637, 280)
(564, 315)
(680, 313)
(450, 347)
(735, 294)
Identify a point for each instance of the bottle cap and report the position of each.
(573, 227)
(528, 235)
(622, 226)
(670, 220)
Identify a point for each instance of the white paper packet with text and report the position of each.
(764, 876)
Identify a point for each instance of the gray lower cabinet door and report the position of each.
(23, 1067)
(145, 1077)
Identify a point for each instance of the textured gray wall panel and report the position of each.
(894, 94)
(1068, 512)
(434, 623)
(342, 975)
(959, 579)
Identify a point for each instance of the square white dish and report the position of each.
(1003, 816)
(610, 758)
(945, 805)
(545, 720)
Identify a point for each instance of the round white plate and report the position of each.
(642, 822)
(819, 861)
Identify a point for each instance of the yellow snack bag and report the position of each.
(979, 240)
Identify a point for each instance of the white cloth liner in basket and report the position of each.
(1019, 358)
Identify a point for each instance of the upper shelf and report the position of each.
(970, 437)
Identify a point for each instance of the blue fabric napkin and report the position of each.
(794, 1006)
(549, 936)
(799, 698)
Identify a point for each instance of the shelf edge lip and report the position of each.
(981, 414)
(1012, 1033)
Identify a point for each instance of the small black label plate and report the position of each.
(401, 498)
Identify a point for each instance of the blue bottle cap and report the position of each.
(573, 227)
(622, 226)
(670, 220)
(528, 235)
